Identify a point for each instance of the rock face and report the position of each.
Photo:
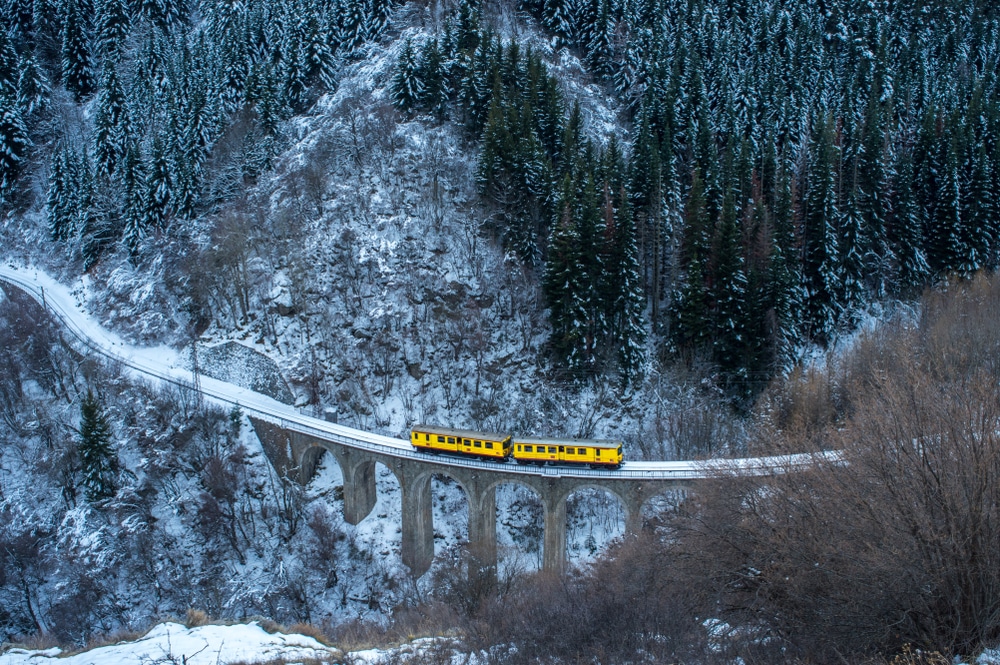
(239, 364)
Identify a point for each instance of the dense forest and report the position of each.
(787, 163)
(790, 163)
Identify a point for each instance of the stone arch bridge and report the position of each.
(296, 453)
(295, 443)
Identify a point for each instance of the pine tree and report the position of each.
(820, 254)
(62, 199)
(111, 123)
(14, 144)
(98, 460)
(167, 15)
(159, 186)
(563, 285)
(407, 89)
(33, 89)
(730, 339)
(113, 24)
(434, 96)
(133, 213)
(905, 230)
(8, 66)
(623, 291)
(77, 63)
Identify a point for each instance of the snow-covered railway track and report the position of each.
(165, 364)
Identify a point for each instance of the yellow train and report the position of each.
(604, 453)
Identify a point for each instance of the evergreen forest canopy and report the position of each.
(185, 104)
(789, 162)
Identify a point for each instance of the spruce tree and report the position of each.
(166, 15)
(624, 292)
(61, 204)
(132, 180)
(563, 286)
(434, 96)
(784, 296)
(159, 195)
(113, 24)
(730, 339)
(406, 88)
(33, 89)
(689, 329)
(14, 144)
(98, 461)
(111, 123)
(77, 62)
(819, 265)
(905, 228)
(8, 66)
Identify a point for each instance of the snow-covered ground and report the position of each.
(172, 643)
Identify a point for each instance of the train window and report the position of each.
(440, 439)
(451, 439)
(562, 449)
(479, 444)
(571, 451)
(598, 452)
(427, 437)
(552, 449)
(527, 449)
(466, 442)
(489, 444)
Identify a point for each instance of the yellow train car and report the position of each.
(595, 452)
(463, 441)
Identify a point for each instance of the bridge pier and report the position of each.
(554, 543)
(483, 526)
(359, 486)
(418, 523)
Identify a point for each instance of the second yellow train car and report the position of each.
(595, 452)
(443, 439)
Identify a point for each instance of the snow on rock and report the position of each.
(174, 643)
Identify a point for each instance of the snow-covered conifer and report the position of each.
(33, 88)
(407, 89)
(98, 460)
(111, 123)
(113, 24)
(820, 220)
(14, 143)
(77, 61)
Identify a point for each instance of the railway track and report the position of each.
(166, 365)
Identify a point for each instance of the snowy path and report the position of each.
(166, 365)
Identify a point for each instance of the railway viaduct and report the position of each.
(295, 443)
(296, 455)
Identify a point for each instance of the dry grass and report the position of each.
(194, 618)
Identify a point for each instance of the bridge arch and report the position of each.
(590, 526)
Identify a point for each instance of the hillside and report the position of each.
(639, 219)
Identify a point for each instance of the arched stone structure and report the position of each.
(296, 455)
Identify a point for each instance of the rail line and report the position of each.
(163, 364)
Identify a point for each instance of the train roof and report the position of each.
(590, 443)
(464, 433)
